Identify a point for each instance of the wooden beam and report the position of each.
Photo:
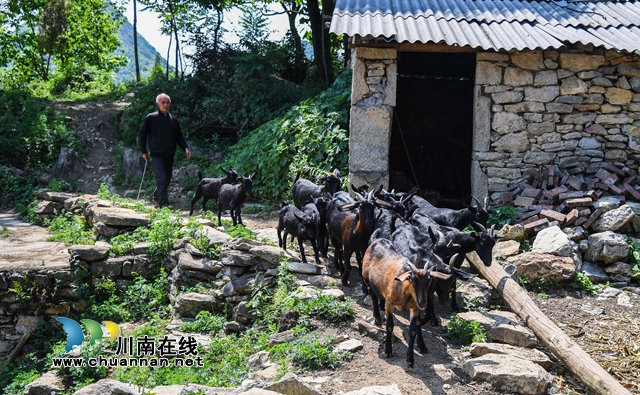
(577, 361)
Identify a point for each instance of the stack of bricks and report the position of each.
(549, 197)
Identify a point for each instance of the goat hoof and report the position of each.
(345, 282)
(389, 355)
(410, 365)
(423, 349)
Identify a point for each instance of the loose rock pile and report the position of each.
(578, 196)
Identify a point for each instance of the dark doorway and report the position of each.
(434, 112)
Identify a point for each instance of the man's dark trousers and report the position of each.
(162, 167)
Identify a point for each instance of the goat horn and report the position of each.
(441, 237)
(477, 201)
(453, 259)
(449, 243)
(358, 196)
(486, 203)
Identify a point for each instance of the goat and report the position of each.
(322, 236)
(234, 196)
(302, 225)
(393, 278)
(208, 188)
(303, 188)
(481, 241)
(350, 230)
(459, 219)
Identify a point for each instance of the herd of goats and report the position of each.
(406, 248)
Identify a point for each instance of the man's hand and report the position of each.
(186, 151)
(145, 157)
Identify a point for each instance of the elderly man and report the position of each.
(162, 131)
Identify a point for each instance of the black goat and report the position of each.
(302, 225)
(208, 188)
(322, 237)
(234, 196)
(350, 230)
(459, 219)
(303, 188)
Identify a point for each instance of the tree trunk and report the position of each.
(169, 54)
(135, 40)
(578, 362)
(292, 14)
(321, 44)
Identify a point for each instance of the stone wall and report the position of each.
(373, 97)
(538, 108)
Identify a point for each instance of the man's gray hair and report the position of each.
(162, 94)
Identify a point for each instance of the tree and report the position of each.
(320, 39)
(72, 34)
(135, 39)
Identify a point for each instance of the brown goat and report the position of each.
(393, 278)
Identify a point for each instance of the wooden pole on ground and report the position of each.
(577, 361)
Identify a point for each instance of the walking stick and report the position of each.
(142, 180)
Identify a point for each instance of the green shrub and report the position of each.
(309, 352)
(20, 188)
(328, 307)
(240, 231)
(70, 229)
(461, 331)
(311, 134)
(634, 257)
(504, 215)
(205, 322)
(584, 284)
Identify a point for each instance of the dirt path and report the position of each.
(23, 246)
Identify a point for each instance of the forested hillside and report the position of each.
(146, 55)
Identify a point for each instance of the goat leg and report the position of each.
(219, 214)
(387, 340)
(346, 264)
(376, 309)
(315, 250)
(454, 302)
(422, 346)
(431, 313)
(413, 317)
(204, 203)
(304, 258)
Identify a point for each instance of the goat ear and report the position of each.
(298, 217)
(224, 171)
(336, 172)
(434, 239)
(383, 204)
(404, 276)
(358, 196)
(349, 206)
(253, 175)
(376, 192)
(311, 198)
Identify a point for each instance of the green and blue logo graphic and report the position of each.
(75, 336)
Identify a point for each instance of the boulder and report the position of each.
(47, 207)
(552, 241)
(303, 268)
(476, 292)
(132, 164)
(291, 385)
(69, 166)
(530, 354)
(186, 261)
(615, 219)
(47, 384)
(214, 235)
(240, 285)
(190, 304)
(274, 255)
(90, 253)
(544, 266)
(242, 243)
(351, 345)
(113, 216)
(594, 272)
(607, 247)
(258, 361)
(229, 257)
(108, 387)
(502, 326)
(509, 373)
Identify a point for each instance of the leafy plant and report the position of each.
(582, 283)
(328, 307)
(70, 229)
(634, 255)
(461, 331)
(312, 133)
(241, 231)
(5, 232)
(503, 215)
(205, 322)
(310, 352)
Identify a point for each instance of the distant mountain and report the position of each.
(146, 54)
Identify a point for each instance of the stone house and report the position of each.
(463, 96)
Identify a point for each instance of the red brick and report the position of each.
(528, 214)
(532, 193)
(506, 197)
(592, 218)
(579, 202)
(580, 221)
(556, 191)
(592, 195)
(632, 191)
(584, 212)
(553, 216)
(529, 227)
(615, 189)
(535, 218)
(607, 177)
(613, 169)
(576, 170)
(571, 195)
(522, 201)
(541, 207)
(571, 217)
(576, 183)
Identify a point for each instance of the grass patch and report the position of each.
(583, 284)
(461, 331)
(205, 322)
(70, 229)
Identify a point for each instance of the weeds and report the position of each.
(465, 332)
(583, 284)
(241, 231)
(504, 215)
(5, 232)
(70, 229)
(205, 322)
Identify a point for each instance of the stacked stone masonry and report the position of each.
(539, 107)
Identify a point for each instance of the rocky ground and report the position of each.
(606, 327)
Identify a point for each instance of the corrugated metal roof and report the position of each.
(492, 24)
